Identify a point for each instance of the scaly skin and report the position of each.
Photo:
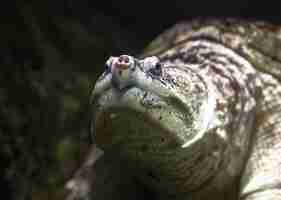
(198, 121)
(260, 44)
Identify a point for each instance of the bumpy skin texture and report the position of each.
(202, 119)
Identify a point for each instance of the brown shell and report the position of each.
(258, 42)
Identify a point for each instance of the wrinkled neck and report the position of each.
(185, 169)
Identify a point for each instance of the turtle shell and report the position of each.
(258, 42)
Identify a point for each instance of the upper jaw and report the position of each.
(124, 72)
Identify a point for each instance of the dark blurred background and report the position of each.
(51, 54)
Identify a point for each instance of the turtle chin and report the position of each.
(137, 119)
(133, 135)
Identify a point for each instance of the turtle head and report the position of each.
(148, 105)
(148, 111)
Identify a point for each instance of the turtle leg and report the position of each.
(103, 177)
(261, 179)
(79, 186)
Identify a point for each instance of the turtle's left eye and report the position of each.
(156, 70)
(106, 68)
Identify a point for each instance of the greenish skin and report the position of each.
(206, 126)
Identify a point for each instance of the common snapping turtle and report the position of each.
(197, 116)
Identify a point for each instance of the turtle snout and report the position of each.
(122, 68)
(123, 62)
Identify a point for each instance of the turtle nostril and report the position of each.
(120, 59)
(123, 62)
(124, 59)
